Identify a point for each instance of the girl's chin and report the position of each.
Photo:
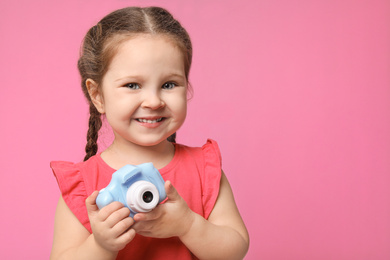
(147, 140)
(150, 142)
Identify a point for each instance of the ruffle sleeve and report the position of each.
(73, 190)
(212, 175)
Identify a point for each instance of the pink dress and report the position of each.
(194, 171)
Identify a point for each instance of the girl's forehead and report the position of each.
(145, 54)
(143, 45)
(121, 42)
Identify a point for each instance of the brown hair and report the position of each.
(101, 43)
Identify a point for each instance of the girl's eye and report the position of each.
(169, 85)
(132, 86)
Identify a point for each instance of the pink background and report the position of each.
(297, 93)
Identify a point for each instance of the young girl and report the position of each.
(134, 66)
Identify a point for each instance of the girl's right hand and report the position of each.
(110, 225)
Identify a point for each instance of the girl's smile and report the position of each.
(150, 122)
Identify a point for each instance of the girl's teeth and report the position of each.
(149, 121)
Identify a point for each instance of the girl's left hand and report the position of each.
(172, 218)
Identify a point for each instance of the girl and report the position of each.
(134, 66)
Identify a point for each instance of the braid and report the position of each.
(172, 138)
(95, 123)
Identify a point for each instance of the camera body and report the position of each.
(140, 188)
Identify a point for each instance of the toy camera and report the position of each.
(140, 188)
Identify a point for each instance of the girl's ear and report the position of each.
(95, 95)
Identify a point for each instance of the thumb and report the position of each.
(171, 191)
(90, 202)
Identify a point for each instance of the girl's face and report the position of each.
(144, 91)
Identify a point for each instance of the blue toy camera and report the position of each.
(140, 188)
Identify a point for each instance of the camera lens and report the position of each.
(142, 196)
(147, 197)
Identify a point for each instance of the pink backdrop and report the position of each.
(297, 93)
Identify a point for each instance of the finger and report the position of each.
(127, 236)
(171, 191)
(147, 216)
(106, 211)
(90, 202)
(139, 217)
(143, 217)
(122, 226)
(117, 215)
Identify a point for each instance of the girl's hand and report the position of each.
(172, 218)
(110, 225)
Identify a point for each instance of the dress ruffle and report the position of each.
(72, 187)
(212, 175)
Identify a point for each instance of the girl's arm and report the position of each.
(73, 241)
(222, 236)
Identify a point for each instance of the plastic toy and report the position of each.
(140, 188)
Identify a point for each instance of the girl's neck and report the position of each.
(118, 154)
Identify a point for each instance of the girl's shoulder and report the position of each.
(72, 177)
(203, 168)
(77, 181)
(72, 186)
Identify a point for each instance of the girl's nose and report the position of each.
(152, 100)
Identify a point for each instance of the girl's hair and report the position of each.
(102, 41)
